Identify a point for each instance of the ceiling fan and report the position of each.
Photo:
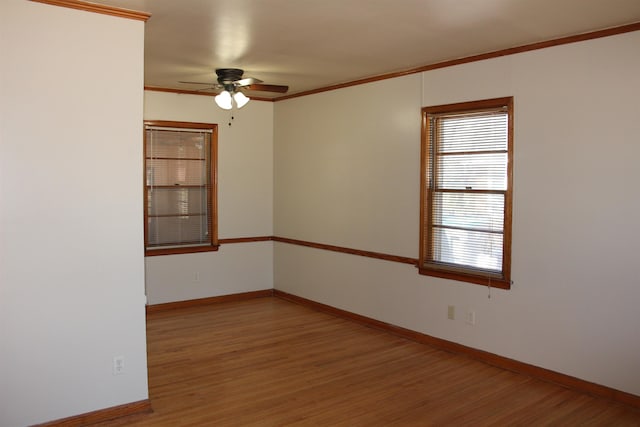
(231, 84)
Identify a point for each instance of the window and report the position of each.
(180, 209)
(466, 191)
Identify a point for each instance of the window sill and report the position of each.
(185, 250)
(494, 282)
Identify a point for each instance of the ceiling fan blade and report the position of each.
(268, 88)
(197, 83)
(247, 81)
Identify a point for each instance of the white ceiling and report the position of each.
(310, 44)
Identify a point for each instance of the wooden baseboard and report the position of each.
(207, 301)
(484, 356)
(101, 415)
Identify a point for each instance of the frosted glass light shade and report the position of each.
(241, 99)
(223, 100)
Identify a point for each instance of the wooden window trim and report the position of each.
(212, 192)
(425, 266)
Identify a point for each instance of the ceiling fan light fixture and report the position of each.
(223, 100)
(241, 99)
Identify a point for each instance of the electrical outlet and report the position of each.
(118, 365)
(471, 317)
(451, 312)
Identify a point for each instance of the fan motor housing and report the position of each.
(229, 75)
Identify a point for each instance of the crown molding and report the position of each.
(98, 8)
(481, 57)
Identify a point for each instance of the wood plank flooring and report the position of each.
(269, 362)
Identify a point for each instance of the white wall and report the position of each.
(245, 203)
(338, 161)
(347, 173)
(71, 252)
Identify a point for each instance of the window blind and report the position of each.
(178, 187)
(467, 189)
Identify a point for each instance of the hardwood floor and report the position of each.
(269, 362)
